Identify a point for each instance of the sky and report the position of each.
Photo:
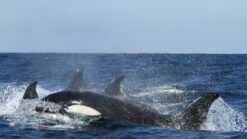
(126, 26)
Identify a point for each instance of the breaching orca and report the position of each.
(110, 107)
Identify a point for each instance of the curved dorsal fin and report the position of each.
(113, 88)
(31, 92)
(193, 116)
(77, 80)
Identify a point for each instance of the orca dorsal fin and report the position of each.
(31, 92)
(77, 80)
(113, 88)
(196, 113)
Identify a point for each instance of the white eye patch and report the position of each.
(83, 110)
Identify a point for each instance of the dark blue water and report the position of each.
(167, 82)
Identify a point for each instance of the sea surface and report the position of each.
(166, 82)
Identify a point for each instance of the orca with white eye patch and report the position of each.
(95, 104)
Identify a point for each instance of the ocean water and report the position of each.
(166, 82)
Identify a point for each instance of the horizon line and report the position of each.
(201, 53)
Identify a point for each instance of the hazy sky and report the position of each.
(136, 26)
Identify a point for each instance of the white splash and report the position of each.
(222, 117)
(21, 112)
(165, 89)
(152, 96)
(10, 98)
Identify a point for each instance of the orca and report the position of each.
(77, 81)
(77, 84)
(112, 89)
(98, 104)
(31, 92)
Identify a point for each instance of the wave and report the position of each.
(222, 117)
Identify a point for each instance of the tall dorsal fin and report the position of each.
(77, 80)
(113, 88)
(193, 116)
(31, 92)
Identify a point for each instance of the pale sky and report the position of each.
(126, 26)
